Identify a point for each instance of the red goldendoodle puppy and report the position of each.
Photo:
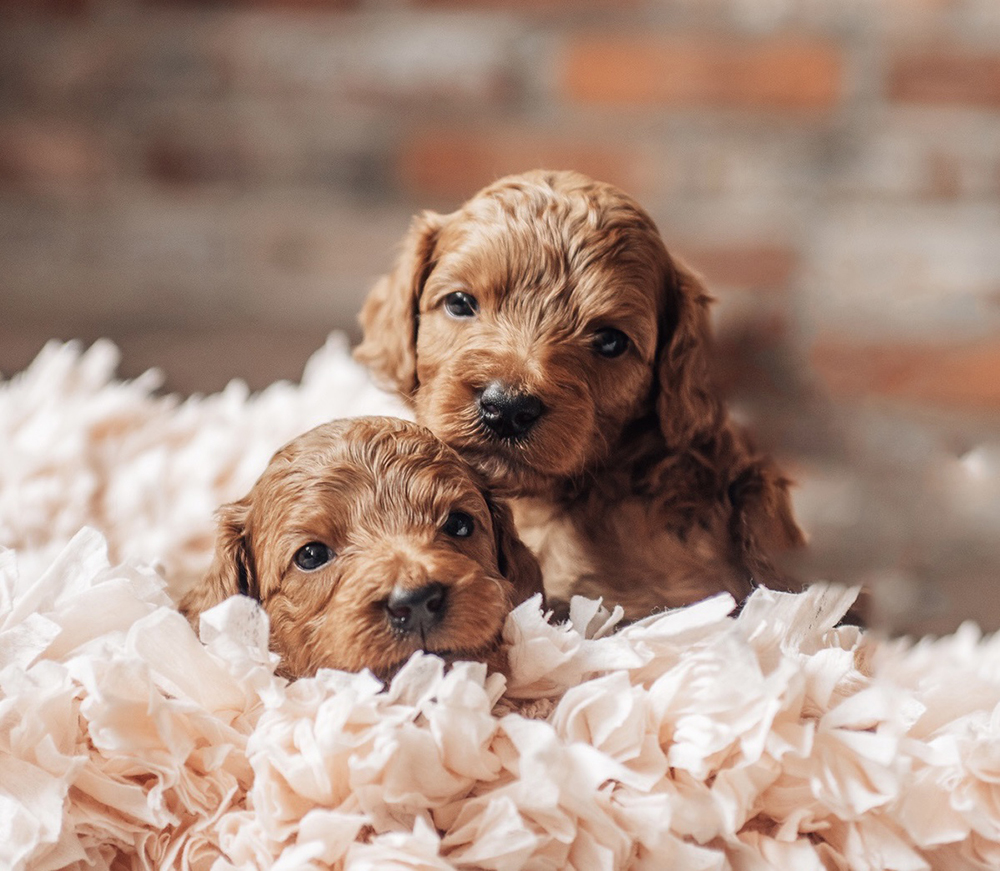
(545, 333)
(366, 540)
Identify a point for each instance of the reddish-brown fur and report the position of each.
(635, 484)
(376, 491)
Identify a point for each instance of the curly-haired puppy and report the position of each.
(544, 332)
(366, 540)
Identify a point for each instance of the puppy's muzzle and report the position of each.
(507, 412)
(418, 610)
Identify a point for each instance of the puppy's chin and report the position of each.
(507, 471)
(393, 653)
(494, 655)
(559, 448)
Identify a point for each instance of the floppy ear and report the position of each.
(687, 404)
(232, 569)
(516, 563)
(762, 521)
(389, 315)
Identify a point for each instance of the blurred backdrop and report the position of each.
(215, 185)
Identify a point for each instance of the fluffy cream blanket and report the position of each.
(691, 740)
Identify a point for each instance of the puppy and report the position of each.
(366, 540)
(544, 332)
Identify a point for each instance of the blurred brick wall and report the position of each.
(215, 185)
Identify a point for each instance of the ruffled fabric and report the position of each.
(81, 448)
(690, 740)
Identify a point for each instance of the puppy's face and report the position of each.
(531, 326)
(550, 325)
(366, 540)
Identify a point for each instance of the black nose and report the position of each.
(507, 412)
(416, 610)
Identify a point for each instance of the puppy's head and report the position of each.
(366, 540)
(532, 326)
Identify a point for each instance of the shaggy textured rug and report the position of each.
(691, 740)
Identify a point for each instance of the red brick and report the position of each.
(940, 77)
(742, 266)
(40, 155)
(173, 161)
(954, 376)
(452, 165)
(782, 72)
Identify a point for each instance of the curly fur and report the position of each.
(636, 484)
(376, 491)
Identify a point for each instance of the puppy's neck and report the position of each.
(640, 464)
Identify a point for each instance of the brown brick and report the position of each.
(40, 155)
(172, 161)
(943, 77)
(742, 266)
(944, 176)
(452, 165)
(955, 376)
(782, 72)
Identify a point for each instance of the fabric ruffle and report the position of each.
(689, 740)
(81, 448)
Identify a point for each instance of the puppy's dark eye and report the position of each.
(461, 305)
(459, 524)
(311, 556)
(610, 342)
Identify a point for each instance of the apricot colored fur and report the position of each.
(377, 492)
(635, 485)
